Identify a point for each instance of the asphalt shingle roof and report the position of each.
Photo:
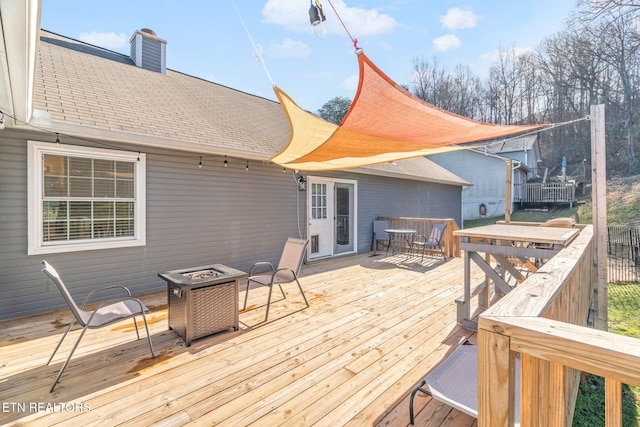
(86, 85)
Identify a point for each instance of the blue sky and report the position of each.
(207, 39)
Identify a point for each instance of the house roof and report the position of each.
(512, 144)
(87, 91)
(420, 168)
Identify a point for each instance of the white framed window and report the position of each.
(318, 201)
(83, 198)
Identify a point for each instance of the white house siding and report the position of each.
(194, 216)
(486, 173)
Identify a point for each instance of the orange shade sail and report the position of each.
(383, 124)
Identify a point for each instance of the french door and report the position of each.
(331, 216)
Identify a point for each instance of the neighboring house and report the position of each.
(485, 169)
(115, 172)
(525, 150)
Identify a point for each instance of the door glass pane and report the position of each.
(319, 201)
(342, 216)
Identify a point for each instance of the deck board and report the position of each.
(375, 326)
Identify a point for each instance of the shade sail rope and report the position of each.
(256, 50)
(355, 41)
(550, 127)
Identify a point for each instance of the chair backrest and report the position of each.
(379, 226)
(293, 254)
(437, 231)
(53, 275)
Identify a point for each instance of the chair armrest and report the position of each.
(86, 300)
(419, 239)
(261, 263)
(115, 301)
(275, 273)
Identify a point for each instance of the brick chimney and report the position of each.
(148, 51)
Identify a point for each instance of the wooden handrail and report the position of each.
(602, 353)
(451, 244)
(544, 321)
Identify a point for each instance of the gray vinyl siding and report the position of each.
(151, 56)
(194, 216)
(388, 197)
(393, 197)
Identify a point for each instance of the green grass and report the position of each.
(624, 309)
(624, 319)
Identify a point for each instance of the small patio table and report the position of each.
(506, 243)
(399, 234)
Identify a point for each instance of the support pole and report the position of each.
(599, 206)
(507, 197)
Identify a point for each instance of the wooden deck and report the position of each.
(375, 327)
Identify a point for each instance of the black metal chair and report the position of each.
(103, 315)
(434, 241)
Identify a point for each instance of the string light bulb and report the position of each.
(57, 138)
(226, 163)
(1, 120)
(247, 167)
(200, 164)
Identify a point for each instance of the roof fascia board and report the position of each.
(89, 133)
(21, 35)
(488, 154)
(377, 172)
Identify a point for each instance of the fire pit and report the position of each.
(201, 274)
(202, 300)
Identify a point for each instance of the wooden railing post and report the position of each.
(507, 197)
(496, 380)
(613, 403)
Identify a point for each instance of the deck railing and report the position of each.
(549, 192)
(423, 226)
(544, 321)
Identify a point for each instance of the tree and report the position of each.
(334, 110)
(458, 92)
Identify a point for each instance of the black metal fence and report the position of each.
(623, 247)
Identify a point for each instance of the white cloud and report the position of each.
(294, 15)
(350, 83)
(289, 49)
(485, 60)
(458, 18)
(494, 55)
(111, 40)
(446, 42)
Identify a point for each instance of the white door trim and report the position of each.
(332, 181)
